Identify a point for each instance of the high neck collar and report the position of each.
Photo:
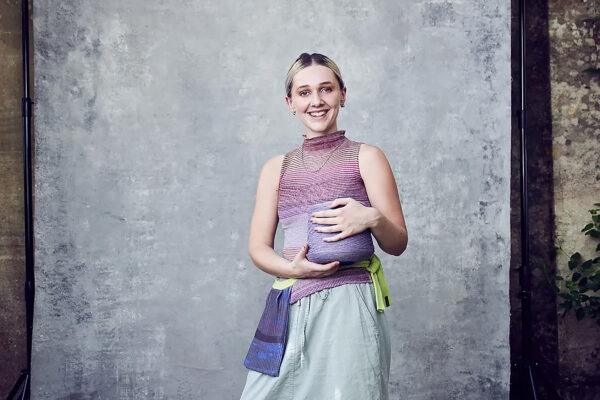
(326, 141)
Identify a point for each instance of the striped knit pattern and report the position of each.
(322, 169)
(268, 345)
(347, 251)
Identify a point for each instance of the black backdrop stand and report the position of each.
(528, 371)
(527, 388)
(24, 381)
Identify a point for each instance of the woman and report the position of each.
(324, 332)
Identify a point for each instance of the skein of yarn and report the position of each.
(351, 249)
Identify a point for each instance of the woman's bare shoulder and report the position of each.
(271, 169)
(369, 150)
(368, 155)
(273, 164)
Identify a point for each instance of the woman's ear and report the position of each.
(289, 103)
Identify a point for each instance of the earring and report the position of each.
(294, 112)
(342, 105)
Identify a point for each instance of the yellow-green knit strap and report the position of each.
(280, 285)
(382, 292)
(373, 265)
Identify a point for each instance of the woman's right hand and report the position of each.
(303, 268)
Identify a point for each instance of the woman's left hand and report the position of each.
(349, 220)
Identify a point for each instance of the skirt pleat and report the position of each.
(338, 347)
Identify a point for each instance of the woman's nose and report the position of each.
(316, 99)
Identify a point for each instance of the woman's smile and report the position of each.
(318, 114)
(317, 95)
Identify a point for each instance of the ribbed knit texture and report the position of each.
(268, 345)
(348, 250)
(322, 169)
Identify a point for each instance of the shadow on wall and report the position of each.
(544, 341)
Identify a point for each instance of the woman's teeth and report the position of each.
(317, 114)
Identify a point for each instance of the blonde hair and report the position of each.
(306, 60)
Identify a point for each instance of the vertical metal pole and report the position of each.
(26, 112)
(527, 372)
(28, 197)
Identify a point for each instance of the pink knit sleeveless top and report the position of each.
(322, 169)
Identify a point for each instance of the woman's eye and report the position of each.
(305, 92)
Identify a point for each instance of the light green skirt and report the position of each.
(338, 347)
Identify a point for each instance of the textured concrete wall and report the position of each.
(574, 46)
(153, 120)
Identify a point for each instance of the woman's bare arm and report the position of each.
(264, 221)
(388, 224)
(264, 225)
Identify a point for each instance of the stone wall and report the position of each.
(574, 46)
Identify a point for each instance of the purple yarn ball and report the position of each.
(354, 248)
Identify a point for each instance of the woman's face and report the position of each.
(316, 88)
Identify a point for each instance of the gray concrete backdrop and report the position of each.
(153, 119)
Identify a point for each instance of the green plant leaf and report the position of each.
(592, 70)
(587, 227)
(584, 279)
(586, 265)
(556, 289)
(591, 19)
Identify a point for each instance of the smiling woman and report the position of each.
(319, 96)
(323, 333)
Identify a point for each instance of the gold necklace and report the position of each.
(322, 165)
